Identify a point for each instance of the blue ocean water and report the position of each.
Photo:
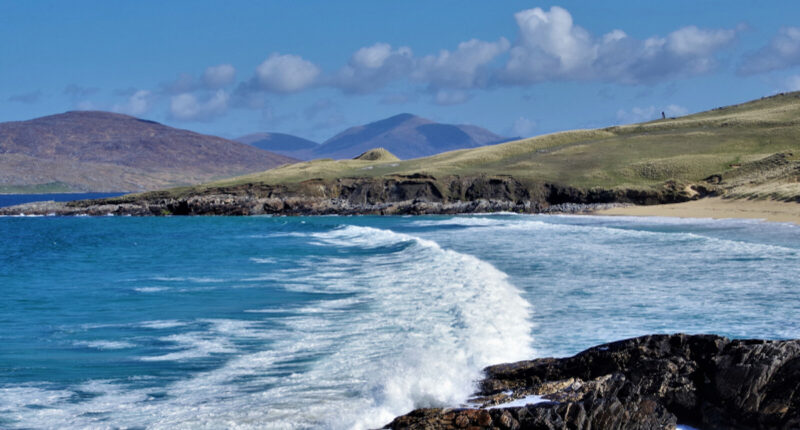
(18, 199)
(346, 322)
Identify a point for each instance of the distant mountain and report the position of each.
(103, 151)
(280, 143)
(405, 135)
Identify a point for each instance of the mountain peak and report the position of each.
(405, 135)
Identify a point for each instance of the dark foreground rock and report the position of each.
(396, 195)
(650, 382)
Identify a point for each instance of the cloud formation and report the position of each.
(549, 47)
(286, 73)
(212, 79)
(137, 104)
(466, 67)
(552, 47)
(783, 51)
(216, 77)
(187, 107)
(372, 67)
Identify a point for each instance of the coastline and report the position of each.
(716, 208)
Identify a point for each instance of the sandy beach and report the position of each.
(769, 210)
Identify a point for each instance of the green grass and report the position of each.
(686, 149)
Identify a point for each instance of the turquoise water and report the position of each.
(345, 322)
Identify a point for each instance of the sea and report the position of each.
(347, 322)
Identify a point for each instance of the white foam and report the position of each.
(516, 403)
(418, 325)
(194, 279)
(150, 289)
(106, 344)
(263, 260)
(456, 314)
(465, 221)
(192, 345)
(162, 324)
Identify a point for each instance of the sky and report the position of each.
(315, 67)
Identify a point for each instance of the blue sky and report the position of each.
(313, 68)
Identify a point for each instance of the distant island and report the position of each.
(108, 152)
(747, 151)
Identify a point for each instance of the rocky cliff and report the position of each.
(650, 382)
(396, 194)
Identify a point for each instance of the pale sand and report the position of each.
(769, 210)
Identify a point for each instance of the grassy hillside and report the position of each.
(103, 151)
(726, 141)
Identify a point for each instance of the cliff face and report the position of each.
(412, 194)
(649, 382)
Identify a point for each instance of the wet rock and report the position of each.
(650, 382)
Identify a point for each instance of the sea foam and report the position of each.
(415, 328)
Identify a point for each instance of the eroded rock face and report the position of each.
(650, 382)
(396, 195)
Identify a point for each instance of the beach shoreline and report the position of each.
(716, 208)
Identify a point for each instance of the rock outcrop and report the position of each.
(390, 195)
(651, 382)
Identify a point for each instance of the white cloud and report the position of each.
(137, 104)
(523, 127)
(552, 47)
(375, 56)
(286, 73)
(212, 78)
(372, 67)
(219, 76)
(187, 107)
(692, 41)
(783, 51)
(463, 68)
(649, 113)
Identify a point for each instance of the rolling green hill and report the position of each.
(727, 141)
